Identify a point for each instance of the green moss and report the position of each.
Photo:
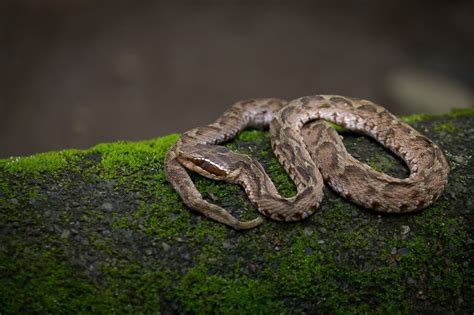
(456, 112)
(275, 170)
(49, 162)
(281, 179)
(382, 163)
(41, 283)
(461, 112)
(306, 269)
(337, 127)
(343, 259)
(201, 293)
(251, 135)
(447, 126)
(132, 156)
(416, 118)
(433, 258)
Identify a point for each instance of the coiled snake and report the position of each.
(309, 150)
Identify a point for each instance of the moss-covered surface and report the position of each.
(101, 231)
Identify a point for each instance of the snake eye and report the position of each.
(209, 167)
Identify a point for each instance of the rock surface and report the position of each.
(101, 230)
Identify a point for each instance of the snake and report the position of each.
(312, 153)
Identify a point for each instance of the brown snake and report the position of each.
(309, 150)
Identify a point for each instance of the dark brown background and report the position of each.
(76, 73)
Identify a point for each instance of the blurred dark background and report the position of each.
(78, 72)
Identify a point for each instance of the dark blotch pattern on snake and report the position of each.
(309, 150)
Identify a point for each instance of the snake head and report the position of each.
(212, 161)
(203, 166)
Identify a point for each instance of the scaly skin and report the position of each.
(308, 149)
(351, 178)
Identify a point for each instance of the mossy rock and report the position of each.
(101, 231)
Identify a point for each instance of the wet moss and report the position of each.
(101, 230)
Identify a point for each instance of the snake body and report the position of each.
(309, 150)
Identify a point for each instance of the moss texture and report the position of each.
(100, 230)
